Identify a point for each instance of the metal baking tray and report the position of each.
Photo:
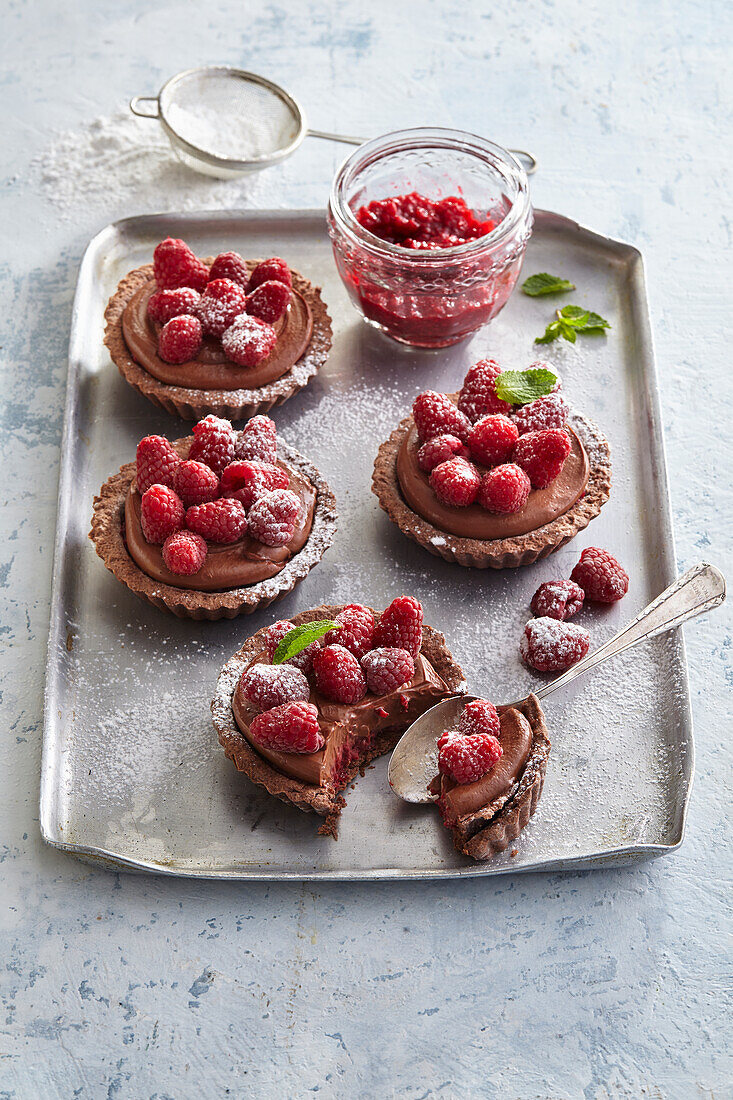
(132, 774)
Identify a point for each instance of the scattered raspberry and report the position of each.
(184, 553)
(546, 412)
(273, 516)
(435, 414)
(222, 520)
(180, 339)
(248, 341)
(478, 392)
(504, 490)
(400, 626)
(466, 759)
(548, 645)
(249, 480)
(195, 483)
(439, 449)
(257, 439)
(165, 304)
(600, 576)
(274, 634)
(269, 301)
(268, 686)
(338, 675)
(161, 513)
(292, 727)
(355, 630)
(268, 270)
(542, 455)
(492, 439)
(230, 265)
(213, 443)
(479, 717)
(220, 305)
(456, 483)
(387, 669)
(174, 265)
(156, 462)
(557, 600)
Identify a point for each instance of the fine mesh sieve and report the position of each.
(225, 122)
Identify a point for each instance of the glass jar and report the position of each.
(433, 297)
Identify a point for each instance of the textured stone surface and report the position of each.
(599, 985)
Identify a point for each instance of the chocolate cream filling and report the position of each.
(458, 799)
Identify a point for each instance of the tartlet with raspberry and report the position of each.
(496, 476)
(218, 524)
(223, 335)
(302, 727)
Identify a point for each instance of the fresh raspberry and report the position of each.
(156, 462)
(456, 482)
(268, 686)
(165, 304)
(273, 517)
(546, 412)
(355, 630)
(257, 439)
(478, 392)
(504, 490)
(180, 339)
(230, 265)
(249, 480)
(387, 669)
(466, 759)
(222, 520)
(400, 626)
(269, 301)
(174, 265)
(195, 483)
(220, 305)
(213, 443)
(557, 600)
(548, 645)
(273, 269)
(338, 675)
(600, 576)
(542, 455)
(161, 513)
(435, 414)
(479, 717)
(292, 727)
(274, 634)
(492, 439)
(248, 341)
(439, 449)
(184, 553)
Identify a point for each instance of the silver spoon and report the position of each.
(413, 763)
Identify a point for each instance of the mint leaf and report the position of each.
(575, 316)
(538, 285)
(519, 387)
(595, 323)
(299, 637)
(571, 320)
(551, 333)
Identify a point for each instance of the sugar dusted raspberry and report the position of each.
(600, 576)
(268, 686)
(466, 759)
(248, 341)
(180, 339)
(184, 553)
(355, 630)
(456, 482)
(223, 521)
(439, 449)
(435, 414)
(274, 634)
(174, 265)
(549, 645)
(273, 517)
(165, 304)
(338, 675)
(546, 412)
(400, 626)
(230, 265)
(161, 513)
(195, 483)
(213, 443)
(504, 490)
(274, 268)
(478, 392)
(249, 480)
(387, 669)
(479, 717)
(220, 305)
(492, 439)
(269, 301)
(257, 439)
(542, 455)
(156, 462)
(292, 727)
(542, 364)
(557, 600)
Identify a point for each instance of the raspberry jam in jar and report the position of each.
(429, 229)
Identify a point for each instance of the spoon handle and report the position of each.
(698, 590)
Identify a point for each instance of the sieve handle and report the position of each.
(136, 109)
(529, 163)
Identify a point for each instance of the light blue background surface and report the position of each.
(599, 985)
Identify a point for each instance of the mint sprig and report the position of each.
(536, 286)
(519, 387)
(297, 639)
(571, 320)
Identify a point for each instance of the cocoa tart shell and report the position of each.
(107, 534)
(506, 553)
(193, 404)
(319, 800)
